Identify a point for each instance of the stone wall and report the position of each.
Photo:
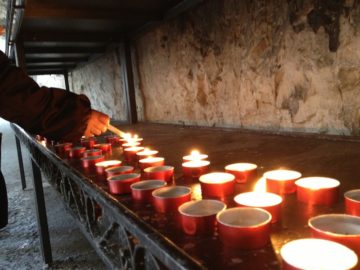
(240, 64)
(101, 81)
(237, 63)
(56, 81)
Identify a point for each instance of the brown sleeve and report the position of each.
(54, 113)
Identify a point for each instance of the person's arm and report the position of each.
(53, 113)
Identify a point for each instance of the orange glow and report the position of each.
(134, 149)
(241, 167)
(195, 155)
(260, 185)
(258, 199)
(282, 175)
(147, 153)
(196, 163)
(216, 178)
(108, 163)
(196, 191)
(151, 159)
(127, 136)
(316, 183)
(131, 144)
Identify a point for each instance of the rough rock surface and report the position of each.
(237, 64)
(101, 80)
(240, 64)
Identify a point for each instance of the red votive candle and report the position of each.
(76, 152)
(195, 168)
(268, 201)
(316, 254)
(105, 147)
(352, 202)
(199, 217)
(242, 171)
(341, 228)
(91, 160)
(317, 190)
(165, 173)
(130, 154)
(119, 170)
(195, 155)
(244, 227)
(131, 144)
(217, 184)
(151, 162)
(131, 139)
(112, 139)
(61, 148)
(120, 184)
(281, 181)
(146, 153)
(142, 191)
(88, 142)
(168, 199)
(103, 165)
(92, 152)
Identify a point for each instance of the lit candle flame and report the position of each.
(195, 153)
(127, 136)
(260, 185)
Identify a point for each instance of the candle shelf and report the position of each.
(104, 216)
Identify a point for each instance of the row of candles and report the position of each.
(243, 227)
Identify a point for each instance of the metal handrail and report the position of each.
(14, 18)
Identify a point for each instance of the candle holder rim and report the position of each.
(347, 236)
(116, 162)
(222, 207)
(184, 188)
(104, 143)
(129, 145)
(296, 173)
(93, 150)
(304, 179)
(126, 167)
(197, 157)
(63, 144)
(77, 147)
(155, 159)
(152, 181)
(203, 163)
(319, 240)
(124, 177)
(140, 153)
(266, 221)
(273, 195)
(92, 157)
(161, 168)
(347, 193)
(229, 175)
(229, 166)
(128, 149)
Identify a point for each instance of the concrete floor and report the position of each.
(19, 241)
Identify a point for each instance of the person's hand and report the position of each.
(97, 124)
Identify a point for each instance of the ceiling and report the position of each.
(57, 35)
